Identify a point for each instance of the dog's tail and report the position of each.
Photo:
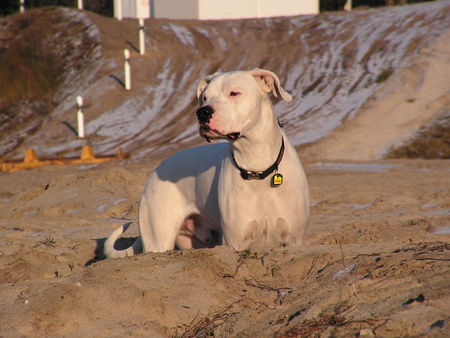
(111, 252)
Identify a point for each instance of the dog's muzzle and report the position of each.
(204, 114)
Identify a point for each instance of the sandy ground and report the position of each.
(376, 256)
(376, 260)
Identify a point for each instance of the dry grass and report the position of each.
(432, 141)
(38, 51)
(29, 67)
(384, 75)
(205, 326)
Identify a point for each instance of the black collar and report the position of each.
(260, 175)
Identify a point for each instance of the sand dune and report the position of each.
(362, 81)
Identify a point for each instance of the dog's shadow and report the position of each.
(121, 243)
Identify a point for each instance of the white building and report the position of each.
(215, 9)
(132, 9)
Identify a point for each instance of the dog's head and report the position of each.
(232, 103)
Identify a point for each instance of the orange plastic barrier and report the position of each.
(31, 160)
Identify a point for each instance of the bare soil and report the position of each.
(375, 261)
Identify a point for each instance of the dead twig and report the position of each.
(432, 259)
(243, 256)
(313, 263)
(261, 259)
(281, 291)
(49, 242)
(246, 254)
(313, 327)
(227, 275)
(205, 326)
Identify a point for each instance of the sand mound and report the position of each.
(375, 259)
(362, 81)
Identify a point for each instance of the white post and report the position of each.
(119, 10)
(80, 117)
(348, 6)
(80, 5)
(22, 6)
(141, 37)
(127, 70)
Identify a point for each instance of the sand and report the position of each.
(376, 255)
(375, 259)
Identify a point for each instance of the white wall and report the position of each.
(176, 9)
(287, 7)
(232, 9)
(227, 9)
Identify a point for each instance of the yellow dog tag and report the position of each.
(277, 180)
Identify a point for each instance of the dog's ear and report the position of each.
(204, 83)
(270, 83)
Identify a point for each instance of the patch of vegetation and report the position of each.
(39, 49)
(49, 242)
(384, 75)
(205, 326)
(104, 7)
(333, 5)
(30, 68)
(432, 141)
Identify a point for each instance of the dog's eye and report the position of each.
(234, 93)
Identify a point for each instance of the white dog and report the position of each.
(250, 192)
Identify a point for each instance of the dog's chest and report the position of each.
(256, 216)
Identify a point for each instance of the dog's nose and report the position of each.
(204, 114)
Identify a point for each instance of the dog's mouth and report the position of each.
(211, 134)
(233, 136)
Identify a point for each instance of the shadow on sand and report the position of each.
(121, 243)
